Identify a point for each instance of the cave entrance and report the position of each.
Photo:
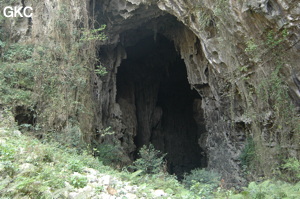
(158, 104)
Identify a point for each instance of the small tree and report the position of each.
(151, 161)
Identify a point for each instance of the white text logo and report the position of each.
(10, 11)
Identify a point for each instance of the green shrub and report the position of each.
(151, 161)
(78, 181)
(7, 152)
(292, 165)
(101, 70)
(50, 176)
(203, 176)
(7, 168)
(75, 165)
(18, 52)
(274, 39)
(108, 153)
(17, 75)
(248, 153)
(251, 46)
(29, 186)
(269, 189)
(202, 182)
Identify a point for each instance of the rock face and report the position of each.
(212, 38)
(186, 76)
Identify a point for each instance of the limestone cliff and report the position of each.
(195, 78)
(214, 39)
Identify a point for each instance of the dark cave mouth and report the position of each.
(158, 104)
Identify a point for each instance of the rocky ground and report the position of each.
(25, 171)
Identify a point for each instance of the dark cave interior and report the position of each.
(24, 116)
(152, 80)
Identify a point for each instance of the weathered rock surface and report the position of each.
(100, 186)
(211, 38)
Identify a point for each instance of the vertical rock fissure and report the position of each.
(158, 104)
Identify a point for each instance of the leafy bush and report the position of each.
(251, 46)
(108, 153)
(202, 182)
(101, 70)
(75, 165)
(7, 168)
(292, 165)
(94, 34)
(248, 153)
(78, 181)
(151, 161)
(17, 75)
(7, 152)
(203, 176)
(18, 52)
(269, 189)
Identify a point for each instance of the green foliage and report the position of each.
(18, 52)
(7, 156)
(49, 76)
(273, 39)
(292, 166)
(202, 182)
(203, 190)
(274, 121)
(39, 170)
(7, 152)
(47, 165)
(78, 181)
(75, 165)
(2, 44)
(36, 81)
(269, 189)
(93, 34)
(101, 70)
(202, 176)
(243, 69)
(108, 153)
(7, 168)
(151, 161)
(162, 181)
(7, 118)
(248, 153)
(17, 75)
(251, 46)
(99, 189)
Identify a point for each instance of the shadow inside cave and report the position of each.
(155, 97)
